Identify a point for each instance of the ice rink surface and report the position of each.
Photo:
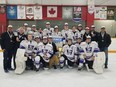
(60, 78)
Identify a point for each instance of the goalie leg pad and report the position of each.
(61, 61)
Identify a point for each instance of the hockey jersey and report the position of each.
(45, 51)
(48, 32)
(29, 46)
(89, 49)
(69, 51)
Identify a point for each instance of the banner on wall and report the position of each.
(2, 9)
(110, 14)
(67, 13)
(100, 13)
(77, 14)
(21, 12)
(12, 12)
(52, 12)
(37, 12)
(90, 6)
(29, 12)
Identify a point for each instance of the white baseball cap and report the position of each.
(86, 28)
(79, 25)
(47, 23)
(65, 23)
(56, 26)
(88, 37)
(10, 26)
(25, 24)
(102, 27)
(33, 25)
(93, 26)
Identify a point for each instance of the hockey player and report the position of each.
(27, 28)
(29, 46)
(56, 31)
(36, 60)
(77, 49)
(45, 51)
(87, 33)
(66, 31)
(48, 30)
(68, 54)
(88, 52)
(81, 31)
(74, 34)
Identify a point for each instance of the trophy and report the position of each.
(60, 51)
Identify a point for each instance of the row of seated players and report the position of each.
(45, 53)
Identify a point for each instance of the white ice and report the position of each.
(60, 78)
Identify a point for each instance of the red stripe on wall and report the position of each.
(84, 13)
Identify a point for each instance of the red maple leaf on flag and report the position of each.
(52, 11)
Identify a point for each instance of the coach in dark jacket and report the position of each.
(7, 45)
(104, 40)
(94, 34)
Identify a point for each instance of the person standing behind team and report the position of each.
(7, 45)
(104, 41)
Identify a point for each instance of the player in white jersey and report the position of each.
(45, 52)
(74, 34)
(48, 30)
(29, 46)
(77, 49)
(88, 50)
(68, 54)
(56, 31)
(27, 28)
(81, 31)
(66, 32)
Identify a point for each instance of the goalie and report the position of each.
(89, 53)
(25, 54)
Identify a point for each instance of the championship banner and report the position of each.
(90, 6)
(77, 14)
(29, 12)
(2, 9)
(12, 12)
(67, 12)
(100, 13)
(103, 13)
(52, 12)
(97, 12)
(37, 12)
(110, 13)
(21, 12)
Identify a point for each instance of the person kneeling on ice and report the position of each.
(68, 54)
(44, 50)
(88, 51)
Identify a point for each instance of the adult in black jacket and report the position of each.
(104, 40)
(7, 45)
(94, 34)
(54, 59)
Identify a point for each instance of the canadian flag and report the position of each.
(52, 12)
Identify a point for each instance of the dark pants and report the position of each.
(14, 57)
(29, 63)
(70, 63)
(90, 64)
(105, 49)
(7, 54)
(45, 64)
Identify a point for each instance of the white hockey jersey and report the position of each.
(66, 33)
(29, 46)
(48, 32)
(74, 36)
(81, 33)
(89, 49)
(56, 34)
(69, 51)
(77, 48)
(45, 51)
